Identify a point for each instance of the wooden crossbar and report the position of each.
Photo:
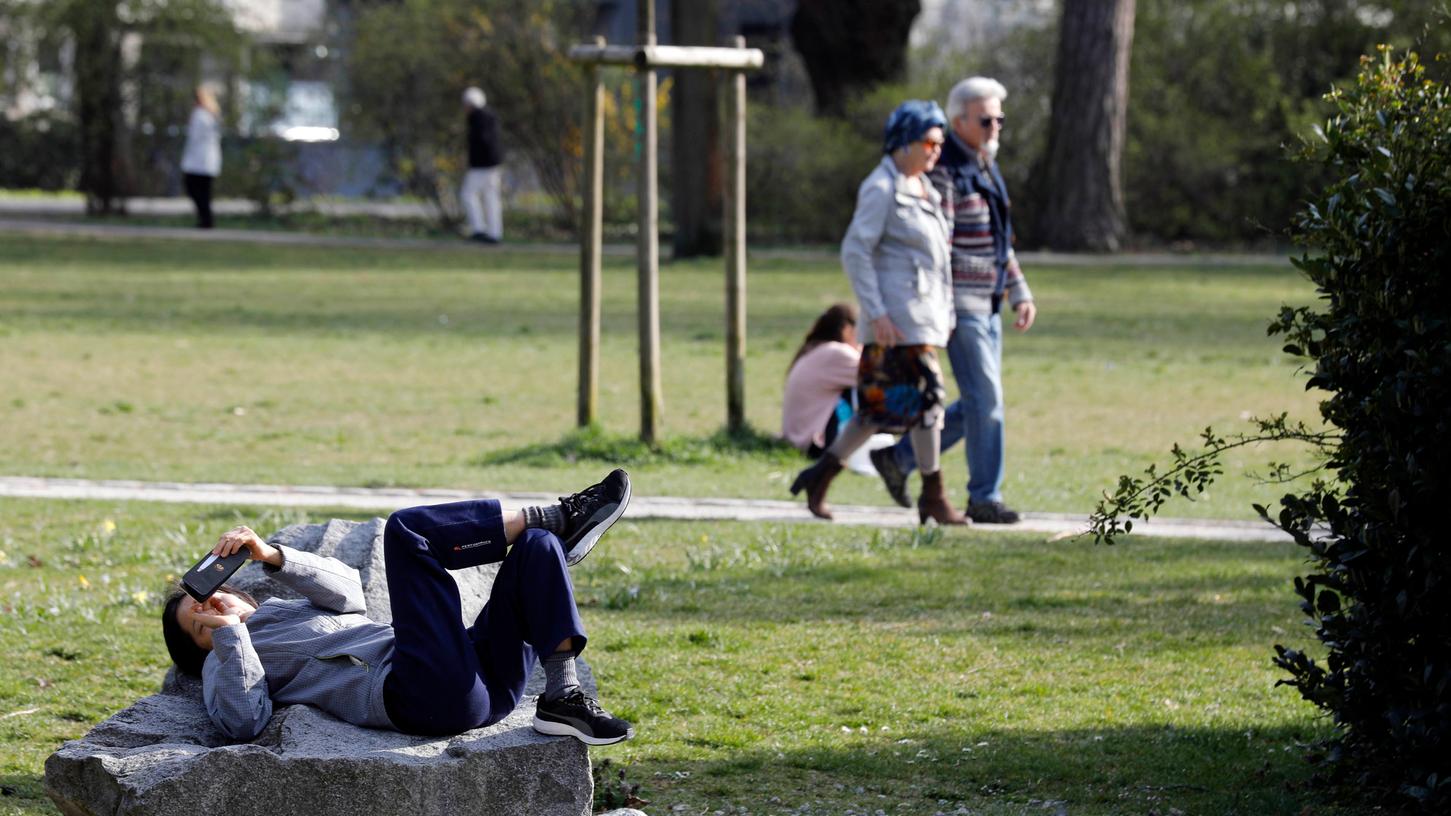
(669, 56)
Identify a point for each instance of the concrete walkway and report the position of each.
(17, 221)
(384, 500)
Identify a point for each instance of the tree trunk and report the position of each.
(97, 31)
(1083, 197)
(695, 137)
(852, 45)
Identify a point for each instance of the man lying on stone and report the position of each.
(427, 673)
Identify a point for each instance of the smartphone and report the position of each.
(211, 572)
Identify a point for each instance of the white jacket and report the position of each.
(202, 155)
(896, 255)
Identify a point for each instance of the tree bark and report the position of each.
(852, 45)
(1083, 196)
(97, 31)
(695, 198)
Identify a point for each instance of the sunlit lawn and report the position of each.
(177, 361)
(790, 668)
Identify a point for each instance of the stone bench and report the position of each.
(163, 757)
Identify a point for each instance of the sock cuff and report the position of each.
(545, 517)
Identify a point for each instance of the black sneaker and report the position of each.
(991, 513)
(590, 512)
(578, 716)
(885, 461)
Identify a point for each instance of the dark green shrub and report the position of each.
(1382, 348)
(802, 174)
(261, 169)
(1380, 259)
(42, 151)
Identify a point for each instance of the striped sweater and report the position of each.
(984, 267)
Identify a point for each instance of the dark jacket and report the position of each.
(975, 197)
(484, 147)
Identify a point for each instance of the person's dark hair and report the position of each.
(830, 326)
(187, 656)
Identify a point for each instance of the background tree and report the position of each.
(850, 46)
(123, 101)
(404, 87)
(695, 137)
(1084, 206)
(95, 28)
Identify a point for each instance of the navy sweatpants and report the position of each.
(446, 678)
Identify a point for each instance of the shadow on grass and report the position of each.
(24, 793)
(1114, 770)
(595, 445)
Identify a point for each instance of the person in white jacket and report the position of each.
(201, 158)
(896, 255)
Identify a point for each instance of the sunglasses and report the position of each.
(987, 121)
(932, 144)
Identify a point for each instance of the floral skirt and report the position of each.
(899, 386)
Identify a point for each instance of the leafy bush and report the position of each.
(802, 174)
(1382, 346)
(261, 169)
(42, 151)
(405, 88)
(1381, 343)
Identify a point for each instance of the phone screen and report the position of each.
(210, 573)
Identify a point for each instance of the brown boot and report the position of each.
(933, 502)
(815, 480)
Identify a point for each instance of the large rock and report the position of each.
(163, 757)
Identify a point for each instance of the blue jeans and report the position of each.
(446, 678)
(976, 352)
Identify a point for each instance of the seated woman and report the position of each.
(822, 372)
(427, 673)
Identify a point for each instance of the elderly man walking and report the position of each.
(984, 273)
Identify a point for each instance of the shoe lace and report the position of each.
(576, 504)
(586, 702)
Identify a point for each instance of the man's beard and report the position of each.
(991, 149)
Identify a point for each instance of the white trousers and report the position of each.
(480, 194)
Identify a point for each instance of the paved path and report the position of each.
(15, 223)
(382, 500)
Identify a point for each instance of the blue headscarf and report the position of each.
(910, 121)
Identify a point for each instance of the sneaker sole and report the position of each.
(584, 545)
(557, 729)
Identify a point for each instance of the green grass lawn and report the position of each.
(790, 668)
(178, 361)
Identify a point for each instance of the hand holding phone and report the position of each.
(208, 574)
(234, 548)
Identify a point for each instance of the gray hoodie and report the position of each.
(322, 651)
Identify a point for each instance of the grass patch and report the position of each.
(790, 668)
(218, 362)
(593, 445)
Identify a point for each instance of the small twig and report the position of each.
(22, 712)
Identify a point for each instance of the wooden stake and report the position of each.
(649, 239)
(591, 239)
(735, 238)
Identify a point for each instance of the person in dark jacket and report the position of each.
(426, 673)
(482, 182)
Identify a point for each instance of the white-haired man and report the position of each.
(984, 273)
(482, 183)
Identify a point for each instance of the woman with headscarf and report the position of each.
(896, 255)
(201, 158)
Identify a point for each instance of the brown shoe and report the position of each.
(815, 480)
(933, 503)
